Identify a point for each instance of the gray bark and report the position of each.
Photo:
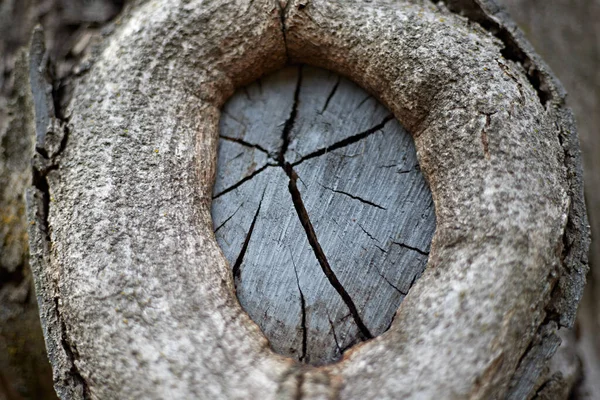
(136, 297)
(567, 35)
(25, 372)
(24, 368)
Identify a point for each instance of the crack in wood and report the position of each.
(320, 254)
(246, 144)
(289, 123)
(41, 72)
(345, 142)
(390, 283)
(512, 50)
(335, 339)
(363, 101)
(303, 315)
(228, 218)
(405, 246)
(242, 181)
(400, 171)
(367, 233)
(331, 94)
(303, 334)
(238, 262)
(370, 203)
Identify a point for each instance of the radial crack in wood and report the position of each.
(344, 223)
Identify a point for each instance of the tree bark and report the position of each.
(566, 34)
(24, 369)
(136, 297)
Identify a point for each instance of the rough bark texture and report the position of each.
(136, 297)
(567, 35)
(24, 369)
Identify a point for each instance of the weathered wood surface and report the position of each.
(24, 369)
(360, 183)
(566, 34)
(137, 299)
(70, 25)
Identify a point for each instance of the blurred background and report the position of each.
(566, 33)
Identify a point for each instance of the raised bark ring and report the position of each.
(136, 297)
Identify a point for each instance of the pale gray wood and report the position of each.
(367, 200)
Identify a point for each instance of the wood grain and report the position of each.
(359, 182)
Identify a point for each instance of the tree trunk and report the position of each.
(137, 299)
(566, 34)
(24, 369)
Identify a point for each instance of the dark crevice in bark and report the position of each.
(42, 152)
(551, 314)
(512, 50)
(72, 355)
(331, 94)
(320, 254)
(50, 162)
(303, 315)
(40, 182)
(405, 246)
(59, 92)
(65, 138)
(348, 141)
(282, 11)
(246, 144)
(238, 262)
(289, 123)
(542, 387)
(241, 182)
(370, 203)
(534, 76)
(508, 73)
